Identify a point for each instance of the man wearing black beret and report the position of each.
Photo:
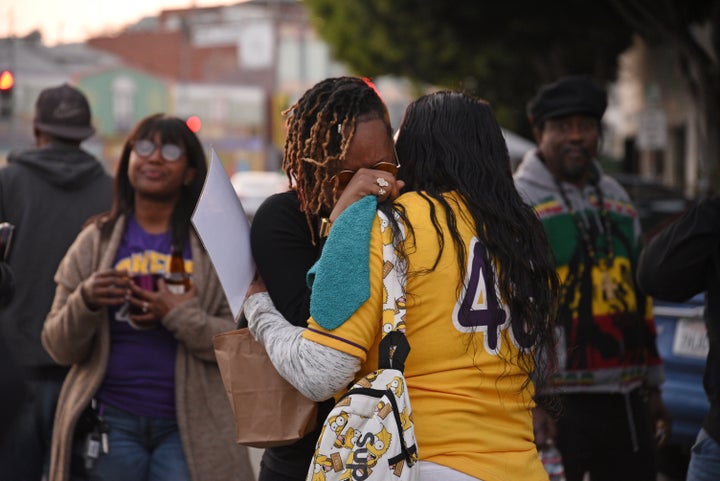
(609, 371)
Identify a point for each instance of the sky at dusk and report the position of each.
(65, 21)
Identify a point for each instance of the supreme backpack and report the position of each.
(369, 434)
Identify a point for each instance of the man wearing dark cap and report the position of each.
(609, 371)
(47, 193)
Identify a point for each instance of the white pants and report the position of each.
(433, 472)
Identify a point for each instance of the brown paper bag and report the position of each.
(268, 410)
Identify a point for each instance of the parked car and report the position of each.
(253, 187)
(683, 345)
(657, 205)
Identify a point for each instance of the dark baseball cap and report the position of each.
(566, 96)
(63, 112)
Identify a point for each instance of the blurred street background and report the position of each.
(231, 68)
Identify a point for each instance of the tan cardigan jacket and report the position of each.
(79, 337)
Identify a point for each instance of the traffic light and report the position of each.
(7, 82)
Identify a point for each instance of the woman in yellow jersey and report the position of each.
(481, 293)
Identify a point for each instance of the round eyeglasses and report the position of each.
(168, 152)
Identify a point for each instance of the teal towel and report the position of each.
(340, 279)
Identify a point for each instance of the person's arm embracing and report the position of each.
(674, 264)
(317, 371)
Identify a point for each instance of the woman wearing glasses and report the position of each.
(339, 148)
(143, 399)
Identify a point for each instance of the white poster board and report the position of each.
(224, 229)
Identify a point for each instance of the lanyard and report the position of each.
(609, 286)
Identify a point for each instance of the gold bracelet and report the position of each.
(325, 226)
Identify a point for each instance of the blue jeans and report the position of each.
(704, 459)
(141, 449)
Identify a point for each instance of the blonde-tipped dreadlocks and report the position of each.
(320, 127)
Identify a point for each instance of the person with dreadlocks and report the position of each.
(480, 298)
(339, 148)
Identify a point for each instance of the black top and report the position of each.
(48, 194)
(684, 260)
(283, 251)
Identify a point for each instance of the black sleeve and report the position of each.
(283, 252)
(674, 265)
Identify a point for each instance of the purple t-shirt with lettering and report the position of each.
(140, 376)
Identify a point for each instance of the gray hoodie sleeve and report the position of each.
(317, 371)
